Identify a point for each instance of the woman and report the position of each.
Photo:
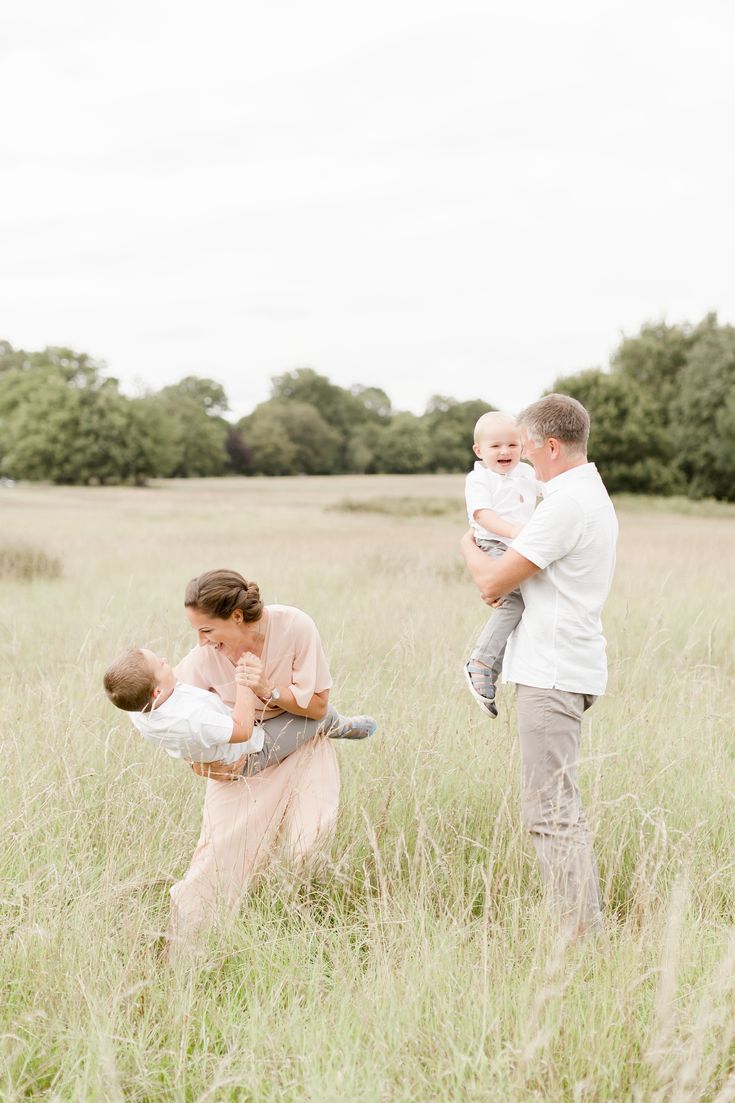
(295, 801)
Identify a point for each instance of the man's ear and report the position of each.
(555, 447)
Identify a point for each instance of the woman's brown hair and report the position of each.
(220, 593)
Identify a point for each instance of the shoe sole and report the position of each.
(486, 706)
(361, 735)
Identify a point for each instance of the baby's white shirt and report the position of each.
(512, 496)
(196, 725)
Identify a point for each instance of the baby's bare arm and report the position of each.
(493, 522)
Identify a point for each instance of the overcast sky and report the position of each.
(431, 197)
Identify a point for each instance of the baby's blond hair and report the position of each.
(486, 424)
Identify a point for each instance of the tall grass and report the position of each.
(417, 961)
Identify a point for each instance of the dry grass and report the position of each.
(418, 964)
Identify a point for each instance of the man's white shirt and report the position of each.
(558, 643)
(512, 496)
(196, 725)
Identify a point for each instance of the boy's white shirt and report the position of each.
(512, 496)
(196, 725)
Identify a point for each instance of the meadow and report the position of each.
(417, 962)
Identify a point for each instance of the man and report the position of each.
(563, 560)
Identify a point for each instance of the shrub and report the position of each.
(21, 561)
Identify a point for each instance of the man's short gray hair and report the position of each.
(558, 416)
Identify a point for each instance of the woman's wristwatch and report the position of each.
(275, 694)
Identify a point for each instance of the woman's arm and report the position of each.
(254, 677)
(315, 710)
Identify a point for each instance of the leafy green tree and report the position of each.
(74, 434)
(375, 402)
(402, 446)
(196, 437)
(631, 448)
(206, 393)
(654, 360)
(345, 411)
(450, 425)
(290, 438)
(703, 412)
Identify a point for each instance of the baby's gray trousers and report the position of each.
(490, 645)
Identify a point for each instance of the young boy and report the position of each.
(196, 725)
(501, 496)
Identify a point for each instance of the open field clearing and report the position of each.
(417, 963)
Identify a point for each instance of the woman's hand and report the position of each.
(249, 672)
(220, 771)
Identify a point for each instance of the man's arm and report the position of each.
(495, 577)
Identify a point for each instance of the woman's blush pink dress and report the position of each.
(292, 805)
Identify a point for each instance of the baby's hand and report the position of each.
(515, 529)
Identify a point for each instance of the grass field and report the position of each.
(417, 964)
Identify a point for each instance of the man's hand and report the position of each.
(495, 577)
(220, 771)
(249, 672)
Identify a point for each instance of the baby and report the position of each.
(196, 725)
(501, 495)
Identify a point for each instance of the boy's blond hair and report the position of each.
(129, 682)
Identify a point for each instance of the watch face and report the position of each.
(276, 694)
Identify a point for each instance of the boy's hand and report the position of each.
(220, 771)
(249, 672)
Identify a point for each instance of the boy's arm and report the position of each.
(493, 522)
(243, 714)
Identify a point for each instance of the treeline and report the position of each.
(663, 421)
(63, 420)
(663, 415)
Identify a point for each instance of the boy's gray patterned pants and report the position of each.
(490, 645)
(284, 734)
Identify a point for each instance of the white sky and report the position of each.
(431, 196)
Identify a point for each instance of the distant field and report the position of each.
(416, 965)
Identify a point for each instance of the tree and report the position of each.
(631, 448)
(375, 401)
(345, 411)
(206, 393)
(75, 434)
(240, 456)
(290, 438)
(703, 412)
(450, 425)
(197, 437)
(402, 446)
(655, 360)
